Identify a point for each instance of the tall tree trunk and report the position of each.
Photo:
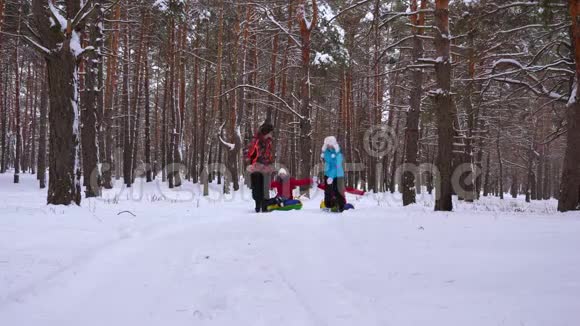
(486, 183)
(375, 159)
(126, 108)
(530, 176)
(556, 182)
(110, 87)
(148, 166)
(34, 124)
(479, 159)
(467, 181)
(540, 180)
(170, 106)
(306, 28)
(570, 184)
(499, 158)
(64, 169)
(238, 113)
(514, 189)
(272, 83)
(64, 185)
(99, 45)
(136, 100)
(5, 122)
(90, 108)
(157, 120)
(18, 153)
(412, 126)
(395, 161)
(164, 149)
(195, 114)
(216, 100)
(444, 107)
(3, 102)
(204, 147)
(42, 132)
(25, 145)
(179, 64)
(29, 137)
(547, 191)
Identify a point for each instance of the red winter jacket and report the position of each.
(284, 187)
(259, 154)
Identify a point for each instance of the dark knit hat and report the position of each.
(266, 128)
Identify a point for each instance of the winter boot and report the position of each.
(280, 201)
(265, 207)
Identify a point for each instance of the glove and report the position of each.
(329, 181)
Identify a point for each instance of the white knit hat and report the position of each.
(330, 141)
(282, 171)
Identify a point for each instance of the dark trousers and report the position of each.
(260, 184)
(334, 193)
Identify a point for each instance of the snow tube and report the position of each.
(290, 204)
(334, 209)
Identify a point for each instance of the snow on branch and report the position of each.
(111, 6)
(509, 62)
(573, 99)
(523, 4)
(353, 6)
(277, 23)
(75, 46)
(432, 61)
(85, 12)
(405, 14)
(306, 24)
(539, 90)
(37, 46)
(390, 46)
(553, 26)
(229, 145)
(322, 58)
(32, 31)
(57, 17)
(269, 93)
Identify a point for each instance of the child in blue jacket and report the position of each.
(333, 174)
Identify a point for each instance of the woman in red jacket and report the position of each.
(259, 159)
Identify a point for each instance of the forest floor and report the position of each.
(161, 257)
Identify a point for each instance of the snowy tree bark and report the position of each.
(412, 124)
(110, 87)
(91, 105)
(18, 126)
(306, 28)
(443, 106)
(4, 112)
(3, 103)
(59, 42)
(41, 176)
(17, 109)
(211, 134)
(570, 184)
(126, 108)
(148, 165)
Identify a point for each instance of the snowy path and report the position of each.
(219, 264)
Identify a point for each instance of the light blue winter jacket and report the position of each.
(333, 163)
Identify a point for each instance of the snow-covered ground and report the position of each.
(186, 260)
